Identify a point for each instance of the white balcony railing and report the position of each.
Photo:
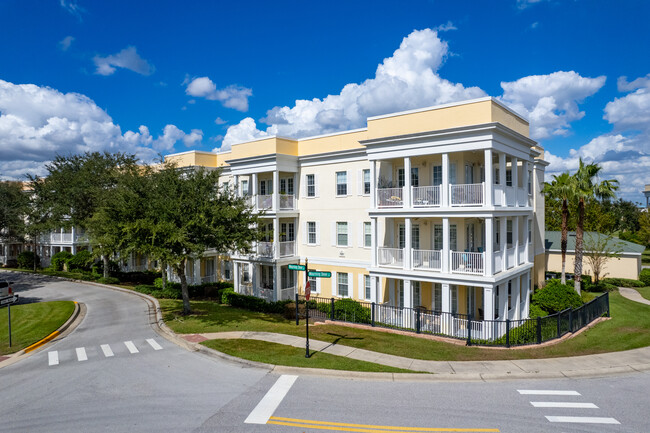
(390, 197)
(470, 194)
(66, 238)
(510, 258)
(56, 238)
(390, 257)
(427, 259)
(522, 254)
(426, 196)
(498, 262)
(287, 293)
(287, 248)
(264, 201)
(287, 202)
(265, 249)
(467, 263)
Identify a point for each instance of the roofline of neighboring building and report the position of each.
(190, 151)
(628, 253)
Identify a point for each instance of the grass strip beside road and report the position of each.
(644, 291)
(629, 328)
(31, 323)
(279, 354)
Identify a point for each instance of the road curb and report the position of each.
(70, 325)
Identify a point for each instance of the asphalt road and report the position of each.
(171, 389)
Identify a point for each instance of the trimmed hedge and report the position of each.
(348, 310)
(624, 282)
(555, 297)
(83, 260)
(59, 259)
(26, 260)
(645, 276)
(252, 303)
(108, 280)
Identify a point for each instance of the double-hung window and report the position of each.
(311, 233)
(311, 185)
(341, 183)
(366, 182)
(343, 283)
(417, 298)
(367, 235)
(366, 285)
(437, 175)
(508, 177)
(244, 187)
(342, 234)
(437, 297)
(453, 237)
(509, 233)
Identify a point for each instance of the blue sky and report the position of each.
(153, 77)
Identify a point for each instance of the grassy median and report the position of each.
(31, 323)
(629, 328)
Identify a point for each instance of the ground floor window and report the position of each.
(342, 284)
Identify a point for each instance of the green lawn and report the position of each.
(645, 292)
(279, 354)
(629, 328)
(31, 323)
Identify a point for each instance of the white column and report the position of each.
(503, 299)
(408, 294)
(502, 177)
(446, 298)
(515, 235)
(407, 182)
(373, 184)
(373, 242)
(517, 296)
(276, 282)
(525, 182)
(445, 246)
(445, 181)
(503, 245)
(276, 190)
(235, 276)
(373, 289)
(255, 269)
(488, 303)
(379, 295)
(488, 262)
(408, 243)
(276, 235)
(526, 238)
(254, 189)
(527, 294)
(515, 178)
(489, 182)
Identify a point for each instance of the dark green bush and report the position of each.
(26, 260)
(252, 303)
(555, 297)
(83, 260)
(59, 260)
(624, 282)
(536, 311)
(645, 277)
(602, 286)
(146, 277)
(348, 310)
(108, 280)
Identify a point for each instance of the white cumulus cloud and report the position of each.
(408, 79)
(232, 96)
(128, 58)
(37, 123)
(550, 102)
(65, 43)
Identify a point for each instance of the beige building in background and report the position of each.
(438, 207)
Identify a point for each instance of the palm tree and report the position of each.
(562, 188)
(586, 186)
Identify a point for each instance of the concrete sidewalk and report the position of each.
(580, 366)
(633, 295)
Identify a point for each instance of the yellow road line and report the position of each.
(42, 342)
(367, 428)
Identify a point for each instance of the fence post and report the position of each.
(469, 329)
(571, 320)
(559, 331)
(332, 309)
(372, 314)
(539, 330)
(507, 332)
(297, 311)
(417, 320)
(607, 299)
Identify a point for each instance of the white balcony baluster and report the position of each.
(287, 201)
(470, 194)
(427, 259)
(264, 201)
(390, 197)
(287, 248)
(426, 196)
(393, 257)
(467, 263)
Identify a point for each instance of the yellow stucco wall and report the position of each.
(539, 269)
(194, 158)
(625, 267)
(332, 143)
(506, 118)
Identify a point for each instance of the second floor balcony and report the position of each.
(265, 202)
(267, 249)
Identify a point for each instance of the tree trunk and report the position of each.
(180, 271)
(577, 270)
(565, 231)
(34, 243)
(163, 265)
(105, 260)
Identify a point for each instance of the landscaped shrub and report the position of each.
(108, 280)
(602, 286)
(59, 260)
(26, 260)
(348, 310)
(624, 282)
(252, 303)
(145, 277)
(536, 311)
(645, 276)
(555, 297)
(83, 260)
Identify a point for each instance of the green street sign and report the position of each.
(296, 267)
(319, 274)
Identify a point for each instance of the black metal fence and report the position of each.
(461, 326)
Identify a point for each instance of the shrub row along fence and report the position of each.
(461, 326)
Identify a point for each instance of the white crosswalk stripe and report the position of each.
(129, 345)
(81, 354)
(107, 350)
(566, 405)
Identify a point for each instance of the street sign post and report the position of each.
(296, 267)
(307, 293)
(8, 301)
(319, 274)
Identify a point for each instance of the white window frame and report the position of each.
(309, 233)
(367, 235)
(365, 184)
(314, 185)
(342, 185)
(338, 284)
(339, 225)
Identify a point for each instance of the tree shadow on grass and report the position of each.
(340, 337)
